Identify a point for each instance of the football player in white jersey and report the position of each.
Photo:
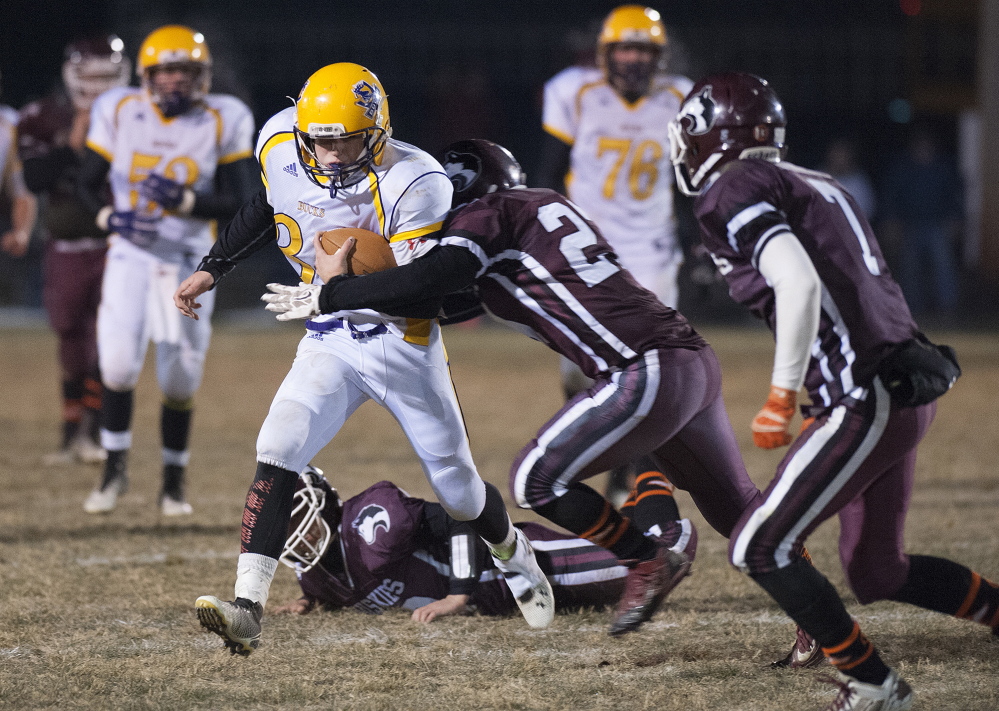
(24, 206)
(607, 149)
(329, 162)
(177, 159)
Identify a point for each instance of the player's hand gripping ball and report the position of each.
(371, 252)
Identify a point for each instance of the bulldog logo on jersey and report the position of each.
(368, 98)
(700, 109)
(367, 523)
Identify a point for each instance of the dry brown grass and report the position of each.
(96, 613)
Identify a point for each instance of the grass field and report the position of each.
(97, 612)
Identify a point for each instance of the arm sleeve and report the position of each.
(235, 184)
(94, 170)
(251, 228)
(798, 295)
(553, 164)
(415, 290)
(465, 547)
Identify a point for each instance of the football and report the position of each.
(371, 252)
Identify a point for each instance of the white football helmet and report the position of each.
(315, 520)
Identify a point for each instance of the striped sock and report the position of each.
(857, 657)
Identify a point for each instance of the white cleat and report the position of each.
(238, 624)
(59, 458)
(104, 500)
(88, 451)
(170, 506)
(892, 695)
(528, 583)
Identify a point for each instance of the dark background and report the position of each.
(473, 69)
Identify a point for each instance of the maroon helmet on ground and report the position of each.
(478, 167)
(724, 117)
(92, 66)
(315, 520)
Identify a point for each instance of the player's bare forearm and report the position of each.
(186, 296)
(451, 605)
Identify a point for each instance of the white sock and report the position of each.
(254, 573)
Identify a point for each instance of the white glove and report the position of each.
(292, 302)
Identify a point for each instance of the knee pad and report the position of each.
(119, 374)
(284, 434)
(877, 580)
(458, 488)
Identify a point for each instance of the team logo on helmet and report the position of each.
(367, 523)
(700, 112)
(368, 98)
(458, 170)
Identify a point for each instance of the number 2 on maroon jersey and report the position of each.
(572, 245)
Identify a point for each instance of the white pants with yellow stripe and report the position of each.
(337, 369)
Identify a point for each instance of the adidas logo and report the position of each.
(291, 169)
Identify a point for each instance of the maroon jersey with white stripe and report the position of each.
(546, 268)
(863, 311)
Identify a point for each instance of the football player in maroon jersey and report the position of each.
(536, 262)
(796, 249)
(51, 143)
(384, 549)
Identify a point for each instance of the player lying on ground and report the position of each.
(538, 264)
(383, 549)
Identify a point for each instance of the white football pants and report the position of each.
(136, 308)
(333, 374)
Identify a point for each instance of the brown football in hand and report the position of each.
(371, 252)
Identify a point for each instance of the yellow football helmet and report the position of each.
(338, 101)
(175, 46)
(633, 25)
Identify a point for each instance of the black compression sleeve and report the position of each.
(251, 228)
(90, 180)
(235, 183)
(553, 164)
(415, 290)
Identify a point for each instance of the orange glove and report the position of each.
(770, 426)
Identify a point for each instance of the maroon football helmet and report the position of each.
(92, 66)
(478, 167)
(724, 117)
(315, 521)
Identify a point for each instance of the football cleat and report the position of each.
(170, 506)
(528, 583)
(87, 450)
(237, 623)
(805, 653)
(104, 498)
(80, 449)
(894, 694)
(647, 585)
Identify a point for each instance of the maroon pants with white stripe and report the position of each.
(668, 403)
(858, 463)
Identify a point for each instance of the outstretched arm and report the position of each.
(251, 228)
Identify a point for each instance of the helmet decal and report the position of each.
(368, 98)
(367, 523)
(458, 170)
(700, 109)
